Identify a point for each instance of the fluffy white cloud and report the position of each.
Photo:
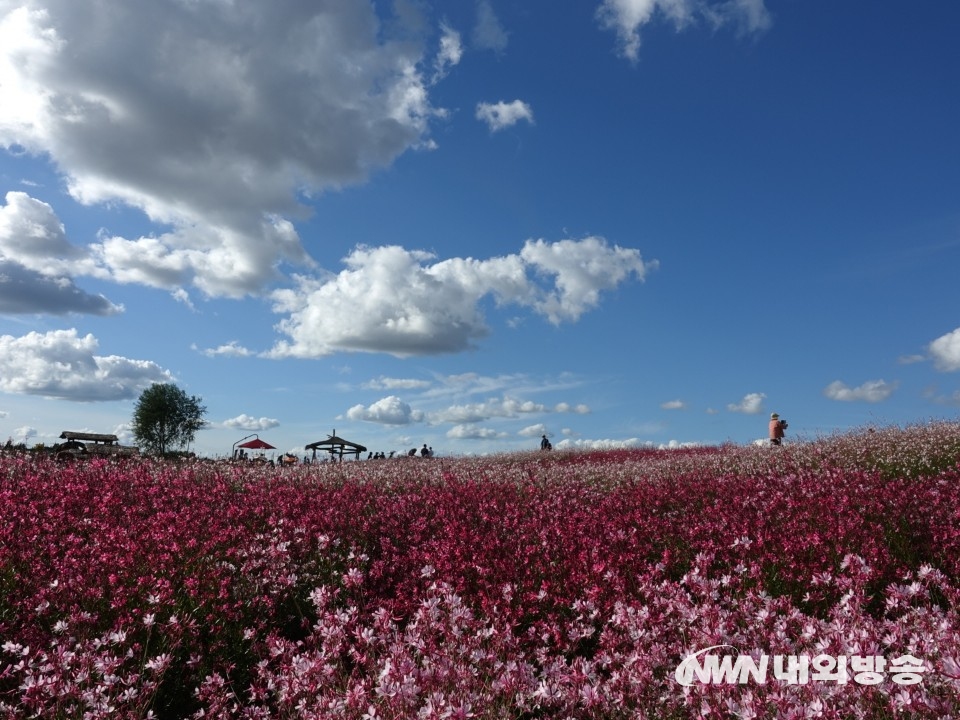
(230, 349)
(505, 407)
(248, 422)
(627, 17)
(581, 270)
(212, 117)
(537, 430)
(582, 444)
(25, 433)
(871, 391)
(674, 405)
(473, 432)
(945, 351)
(396, 301)
(751, 404)
(38, 263)
(502, 114)
(390, 410)
(60, 364)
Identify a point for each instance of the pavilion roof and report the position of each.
(335, 442)
(88, 437)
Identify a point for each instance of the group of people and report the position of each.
(424, 451)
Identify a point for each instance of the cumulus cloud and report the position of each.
(24, 291)
(581, 269)
(872, 391)
(674, 405)
(537, 430)
(473, 432)
(627, 17)
(38, 263)
(390, 410)
(502, 114)
(25, 433)
(505, 407)
(751, 404)
(212, 118)
(606, 444)
(248, 422)
(61, 364)
(945, 351)
(402, 302)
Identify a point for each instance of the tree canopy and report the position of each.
(166, 418)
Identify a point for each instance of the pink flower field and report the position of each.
(538, 585)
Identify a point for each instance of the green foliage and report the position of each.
(166, 418)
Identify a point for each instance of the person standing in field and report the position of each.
(777, 428)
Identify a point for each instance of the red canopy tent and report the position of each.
(257, 444)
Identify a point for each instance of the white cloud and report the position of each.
(385, 383)
(674, 405)
(910, 359)
(581, 270)
(677, 445)
(60, 364)
(751, 404)
(248, 422)
(25, 433)
(390, 410)
(502, 114)
(505, 407)
(211, 117)
(32, 234)
(386, 300)
(230, 349)
(583, 444)
(567, 407)
(37, 263)
(945, 351)
(396, 301)
(488, 33)
(473, 432)
(627, 17)
(872, 391)
(537, 430)
(451, 50)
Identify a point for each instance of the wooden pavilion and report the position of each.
(337, 447)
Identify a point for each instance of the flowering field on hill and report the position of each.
(539, 585)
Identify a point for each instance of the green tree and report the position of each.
(166, 418)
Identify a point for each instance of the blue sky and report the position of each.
(617, 222)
